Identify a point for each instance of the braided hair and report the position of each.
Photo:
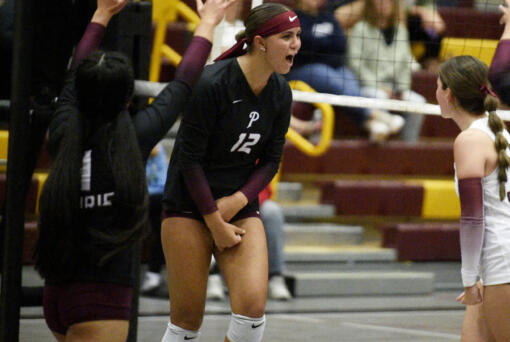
(467, 78)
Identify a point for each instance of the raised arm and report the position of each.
(501, 62)
(89, 42)
(153, 122)
(94, 33)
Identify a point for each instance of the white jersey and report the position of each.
(495, 261)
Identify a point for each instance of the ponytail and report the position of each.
(501, 144)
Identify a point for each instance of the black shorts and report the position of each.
(65, 305)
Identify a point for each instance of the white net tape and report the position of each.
(146, 88)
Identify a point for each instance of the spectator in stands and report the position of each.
(380, 55)
(93, 207)
(321, 63)
(481, 156)
(156, 169)
(425, 27)
(424, 23)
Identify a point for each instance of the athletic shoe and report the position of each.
(277, 289)
(377, 130)
(394, 122)
(215, 288)
(151, 282)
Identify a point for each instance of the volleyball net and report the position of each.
(151, 89)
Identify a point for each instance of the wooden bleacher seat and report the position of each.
(471, 23)
(423, 241)
(363, 157)
(374, 198)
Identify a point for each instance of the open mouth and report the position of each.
(289, 58)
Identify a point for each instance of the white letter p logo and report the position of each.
(254, 116)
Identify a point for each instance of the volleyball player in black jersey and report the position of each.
(227, 150)
(93, 207)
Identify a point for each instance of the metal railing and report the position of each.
(328, 123)
(165, 12)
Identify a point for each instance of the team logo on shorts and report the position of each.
(254, 116)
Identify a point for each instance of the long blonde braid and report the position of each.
(496, 125)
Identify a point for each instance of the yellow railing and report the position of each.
(163, 13)
(328, 123)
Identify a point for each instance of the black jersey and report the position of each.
(228, 132)
(97, 187)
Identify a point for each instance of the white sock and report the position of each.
(174, 333)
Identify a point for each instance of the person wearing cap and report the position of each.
(227, 150)
(93, 206)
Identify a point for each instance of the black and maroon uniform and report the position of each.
(93, 291)
(229, 140)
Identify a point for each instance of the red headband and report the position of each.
(485, 90)
(276, 24)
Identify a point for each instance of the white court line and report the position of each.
(300, 318)
(402, 330)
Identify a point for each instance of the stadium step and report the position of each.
(362, 157)
(323, 257)
(410, 198)
(322, 234)
(289, 191)
(368, 283)
(305, 212)
(423, 241)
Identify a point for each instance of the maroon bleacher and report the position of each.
(423, 241)
(471, 23)
(364, 157)
(374, 198)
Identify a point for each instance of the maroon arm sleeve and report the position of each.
(501, 60)
(89, 42)
(199, 189)
(258, 180)
(471, 228)
(500, 70)
(193, 61)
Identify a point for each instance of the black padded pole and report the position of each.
(10, 296)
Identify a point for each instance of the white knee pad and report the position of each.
(174, 333)
(246, 329)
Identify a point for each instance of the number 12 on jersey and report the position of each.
(244, 142)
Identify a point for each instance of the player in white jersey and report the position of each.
(482, 159)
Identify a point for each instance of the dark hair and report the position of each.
(467, 78)
(104, 84)
(61, 235)
(371, 16)
(258, 16)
